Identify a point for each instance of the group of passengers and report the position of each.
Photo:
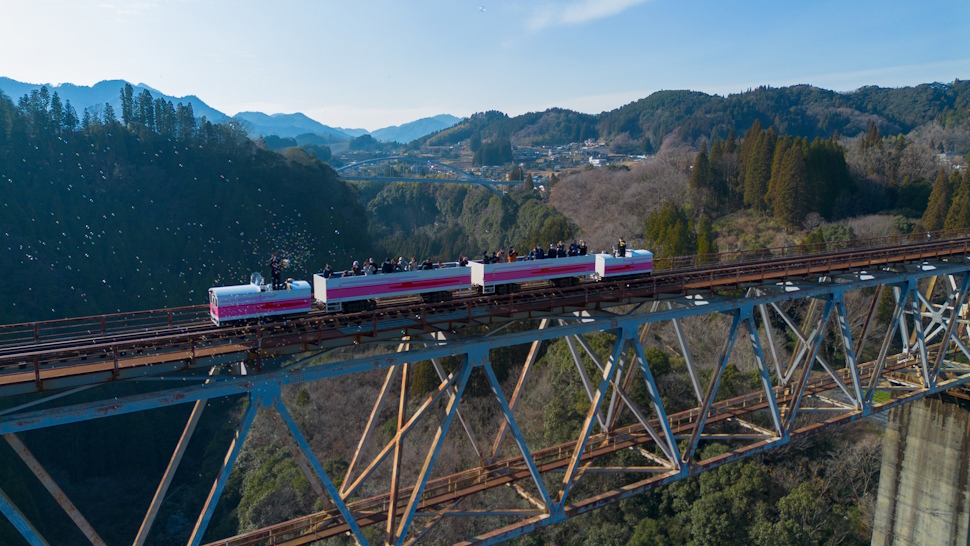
(559, 250)
(391, 265)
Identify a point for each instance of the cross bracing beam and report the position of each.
(577, 460)
(32, 366)
(689, 307)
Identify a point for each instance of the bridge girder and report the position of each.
(795, 399)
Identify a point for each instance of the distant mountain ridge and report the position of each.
(797, 110)
(107, 91)
(288, 125)
(415, 129)
(258, 123)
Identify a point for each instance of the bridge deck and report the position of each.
(125, 346)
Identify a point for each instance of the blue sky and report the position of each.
(376, 63)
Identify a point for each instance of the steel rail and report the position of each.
(126, 321)
(182, 349)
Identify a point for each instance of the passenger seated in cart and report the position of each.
(327, 272)
(427, 265)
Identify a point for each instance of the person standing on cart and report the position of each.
(276, 266)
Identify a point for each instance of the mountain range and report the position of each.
(257, 123)
(693, 116)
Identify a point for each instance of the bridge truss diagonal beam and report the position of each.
(646, 429)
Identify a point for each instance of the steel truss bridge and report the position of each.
(499, 479)
(455, 175)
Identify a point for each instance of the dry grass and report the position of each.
(609, 204)
(873, 225)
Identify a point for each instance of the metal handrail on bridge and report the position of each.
(182, 347)
(826, 247)
(114, 323)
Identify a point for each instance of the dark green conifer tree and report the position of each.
(108, 115)
(774, 183)
(731, 143)
(758, 171)
(958, 216)
(669, 233)
(700, 175)
(936, 211)
(790, 206)
(127, 105)
(705, 237)
(747, 151)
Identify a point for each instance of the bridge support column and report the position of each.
(924, 494)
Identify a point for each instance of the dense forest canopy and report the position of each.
(101, 214)
(799, 110)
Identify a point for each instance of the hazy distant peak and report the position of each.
(416, 129)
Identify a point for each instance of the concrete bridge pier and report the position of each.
(924, 497)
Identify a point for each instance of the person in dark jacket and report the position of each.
(621, 248)
(276, 266)
(355, 269)
(327, 272)
(551, 253)
(387, 266)
(427, 265)
(582, 248)
(540, 255)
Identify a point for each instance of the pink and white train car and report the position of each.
(253, 300)
(636, 262)
(490, 276)
(341, 293)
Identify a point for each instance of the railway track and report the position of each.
(43, 355)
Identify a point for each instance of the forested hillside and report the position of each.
(101, 214)
(800, 110)
(150, 207)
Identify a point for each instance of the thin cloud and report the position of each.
(578, 12)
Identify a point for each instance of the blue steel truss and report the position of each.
(796, 398)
